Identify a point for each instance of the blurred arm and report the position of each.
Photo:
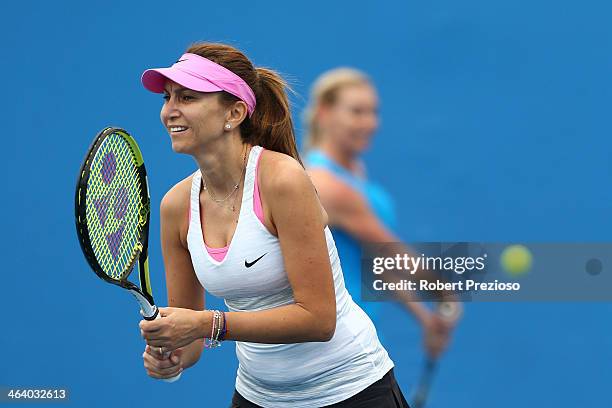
(349, 210)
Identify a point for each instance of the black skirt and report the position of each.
(384, 393)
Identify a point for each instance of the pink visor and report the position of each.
(200, 74)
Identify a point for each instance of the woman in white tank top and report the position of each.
(248, 227)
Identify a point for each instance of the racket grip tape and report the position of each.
(151, 312)
(167, 355)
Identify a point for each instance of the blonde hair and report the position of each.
(324, 92)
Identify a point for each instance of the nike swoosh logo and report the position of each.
(180, 61)
(249, 264)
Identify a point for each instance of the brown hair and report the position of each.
(324, 92)
(271, 125)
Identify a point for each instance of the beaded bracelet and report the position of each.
(208, 342)
(224, 330)
(216, 330)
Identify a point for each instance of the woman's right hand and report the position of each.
(159, 366)
(437, 332)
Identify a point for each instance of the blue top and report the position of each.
(349, 248)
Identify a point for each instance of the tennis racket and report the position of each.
(450, 311)
(112, 208)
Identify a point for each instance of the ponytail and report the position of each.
(271, 125)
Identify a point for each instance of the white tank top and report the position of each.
(297, 375)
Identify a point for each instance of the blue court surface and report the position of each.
(495, 127)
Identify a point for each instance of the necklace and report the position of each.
(234, 189)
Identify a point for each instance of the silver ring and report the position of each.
(161, 351)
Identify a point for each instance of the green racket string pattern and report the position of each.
(113, 207)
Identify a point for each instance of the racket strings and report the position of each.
(114, 208)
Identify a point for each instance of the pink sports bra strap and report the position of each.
(257, 207)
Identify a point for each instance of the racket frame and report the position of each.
(143, 294)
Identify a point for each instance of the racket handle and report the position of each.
(151, 312)
(166, 354)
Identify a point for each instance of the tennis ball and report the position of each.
(516, 259)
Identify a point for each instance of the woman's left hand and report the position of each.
(177, 328)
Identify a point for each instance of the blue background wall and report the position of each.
(493, 129)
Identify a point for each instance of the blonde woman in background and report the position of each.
(341, 119)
